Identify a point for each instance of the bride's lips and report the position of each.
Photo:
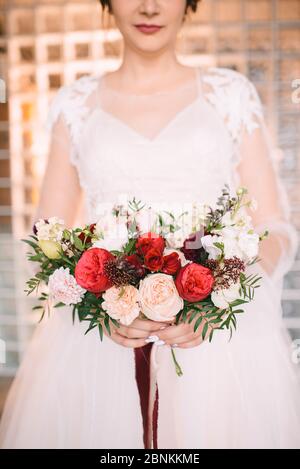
(148, 28)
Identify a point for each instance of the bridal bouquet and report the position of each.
(135, 262)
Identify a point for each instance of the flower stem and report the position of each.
(177, 366)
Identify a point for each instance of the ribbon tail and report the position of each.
(148, 391)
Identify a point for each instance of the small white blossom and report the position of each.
(51, 231)
(208, 244)
(253, 205)
(248, 244)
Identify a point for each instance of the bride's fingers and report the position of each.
(181, 339)
(172, 332)
(148, 325)
(124, 341)
(191, 343)
(195, 340)
(132, 332)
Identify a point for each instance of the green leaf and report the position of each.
(100, 329)
(198, 322)
(204, 331)
(78, 243)
(215, 321)
(115, 322)
(238, 302)
(42, 316)
(130, 246)
(106, 323)
(92, 326)
(192, 317)
(219, 245)
(31, 243)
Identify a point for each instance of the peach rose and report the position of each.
(121, 303)
(159, 298)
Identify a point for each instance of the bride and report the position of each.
(168, 134)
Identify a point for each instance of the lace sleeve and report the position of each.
(59, 123)
(257, 168)
(68, 112)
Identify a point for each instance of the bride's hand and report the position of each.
(183, 334)
(134, 335)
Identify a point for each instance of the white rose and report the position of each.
(52, 230)
(222, 298)
(159, 297)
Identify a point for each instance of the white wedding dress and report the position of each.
(173, 147)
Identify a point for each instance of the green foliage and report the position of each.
(249, 284)
(130, 246)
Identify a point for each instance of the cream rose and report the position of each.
(222, 298)
(121, 303)
(159, 298)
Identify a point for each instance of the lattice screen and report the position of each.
(45, 44)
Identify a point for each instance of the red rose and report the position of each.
(134, 260)
(171, 263)
(154, 259)
(89, 271)
(148, 241)
(194, 282)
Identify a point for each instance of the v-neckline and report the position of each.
(137, 135)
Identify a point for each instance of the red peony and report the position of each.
(148, 241)
(171, 263)
(194, 282)
(154, 259)
(89, 271)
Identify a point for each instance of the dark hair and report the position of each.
(190, 4)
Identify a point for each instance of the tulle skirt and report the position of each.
(74, 391)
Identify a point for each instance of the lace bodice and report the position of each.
(174, 147)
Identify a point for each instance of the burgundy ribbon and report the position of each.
(142, 375)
